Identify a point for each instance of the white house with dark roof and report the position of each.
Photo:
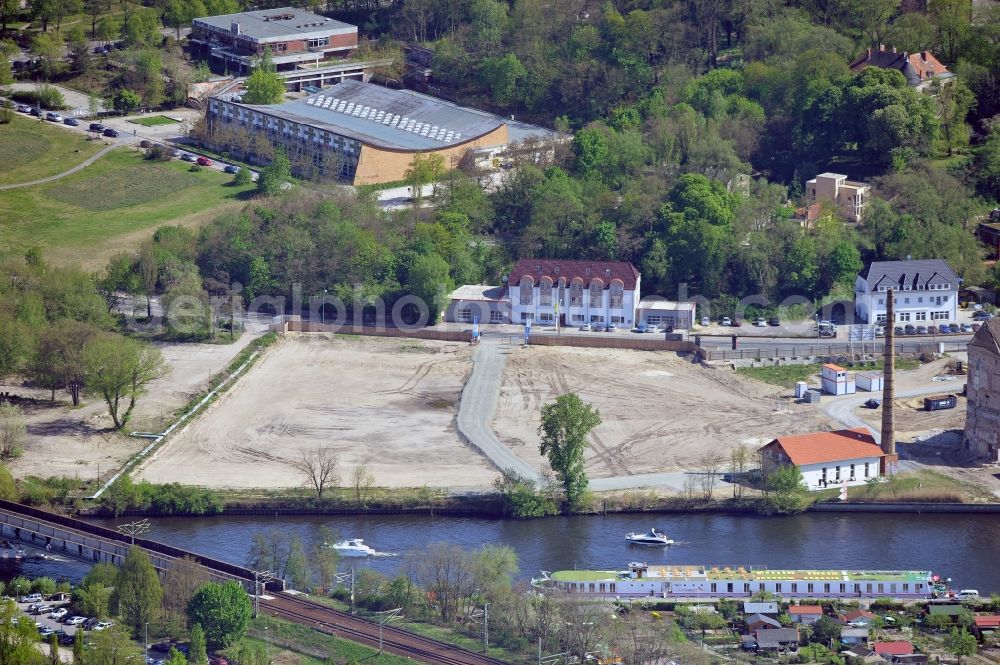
(926, 292)
(573, 292)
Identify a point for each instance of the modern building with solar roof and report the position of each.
(364, 133)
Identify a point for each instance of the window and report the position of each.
(777, 587)
(795, 587)
(617, 319)
(545, 292)
(746, 588)
(881, 588)
(920, 316)
(713, 587)
(596, 318)
(578, 317)
(809, 588)
(920, 300)
(852, 472)
(280, 47)
(527, 290)
(881, 301)
(881, 318)
(545, 317)
(321, 41)
(906, 301)
(496, 317)
(576, 294)
(906, 588)
(464, 314)
(843, 588)
(867, 464)
(617, 295)
(838, 473)
(729, 588)
(596, 293)
(904, 316)
(826, 588)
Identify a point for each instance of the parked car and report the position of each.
(112, 133)
(921, 330)
(45, 631)
(705, 321)
(90, 623)
(597, 327)
(65, 638)
(898, 330)
(23, 108)
(725, 321)
(203, 161)
(979, 315)
(774, 321)
(932, 330)
(58, 613)
(188, 157)
(42, 609)
(910, 329)
(873, 403)
(612, 327)
(654, 329)
(760, 323)
(880, 331)
(52, 116)
(231, 168)
(74, 620)
(954, 328)
(35, 111)
(72, 122)
(30, 598)
(585, 327)
(640, 328)
(966, 327)
(103, 625)
(96, 127)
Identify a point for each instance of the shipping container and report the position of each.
(939, 402)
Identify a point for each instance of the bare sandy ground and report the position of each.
(63, 441)
(659, 412)
(386, 403)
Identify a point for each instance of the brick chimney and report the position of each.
(889, 456)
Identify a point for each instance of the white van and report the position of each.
(967, 594)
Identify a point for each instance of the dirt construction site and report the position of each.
(659, 411)
(387, 403)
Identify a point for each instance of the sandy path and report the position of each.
(387, 403)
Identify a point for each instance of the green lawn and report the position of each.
(153, 120)
(112, 204)
(31, 149)
(288, 642)
(789, 375)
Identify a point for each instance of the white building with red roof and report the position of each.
(573, 292)
(827, 459)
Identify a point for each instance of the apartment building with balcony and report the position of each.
(849, 197)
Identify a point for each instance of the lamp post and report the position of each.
(132, 529)
(388, 616)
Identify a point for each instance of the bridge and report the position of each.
(79, 539)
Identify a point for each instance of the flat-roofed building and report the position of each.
(361, 133)
(295, 37)
(654, 311)
(489, 304)
(850, 197)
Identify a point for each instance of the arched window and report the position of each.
(527, 290)
(576, 293)
(545, 292)
(596, 289)
(617, 294)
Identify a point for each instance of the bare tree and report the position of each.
(712, 464)
(319, 466)
(690, 485)
(363, 481)
(180, 582)
(446, 573)
(739, 458)
(149, 272)
(586, 622)
(12, 431)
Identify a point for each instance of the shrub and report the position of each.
(194, 168)
(243, 177)
(158, 153)
(50, 98)
(6, 113)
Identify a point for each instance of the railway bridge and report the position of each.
(79, 539)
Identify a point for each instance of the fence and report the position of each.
(829, 350)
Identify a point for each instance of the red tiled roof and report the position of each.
(917, 67)
(893, 648)
(557, 269)
(987, 621)
(858, 614)
(815, 447)
(805, 609)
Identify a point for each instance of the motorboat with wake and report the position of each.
(352, 547)
(652, 537)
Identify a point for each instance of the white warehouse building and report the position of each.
(827, 459)
(573, 292)
(926, 292)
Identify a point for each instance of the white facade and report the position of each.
(822, 475)
(925, 293)
(659, 312)
(849, 197)
(869, 382)
(837, 380)
(577, 301)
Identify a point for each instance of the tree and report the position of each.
(739, 458)
(429, 279)
(223, 611)
(564, 429)
(54, 650)
(79, 49)
(17, 637)
(954, 100)
(423, 170)
(175, 657)
(785, 479)
(362, 480)
(79, 654)
(126, 100)
(706, 621)
(12, 431)
(141, 26)
(197, 650)
(138, 592)
(264, 86)
(58, 361)
(8, 490)
(826, 631)
(48, 47)
(180, 582)
(319, 466)
(8, 10)
(179, 13)
(325, 559)
(960, 643)
(118, 368)
(243, 177)
(273, 177)
(112, 646)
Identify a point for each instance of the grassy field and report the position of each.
(32, 149)
(924, 486)
(111, 205)
(789, 375)
(293, 644)
(154, 120)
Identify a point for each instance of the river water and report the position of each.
(965, 548)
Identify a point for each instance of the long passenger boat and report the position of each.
(687, 581)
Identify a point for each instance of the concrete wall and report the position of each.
(982, 419)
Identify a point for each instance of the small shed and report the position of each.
(939, 402)
(801, 388)
(869, 382)
(836, 380)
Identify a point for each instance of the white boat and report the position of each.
(353, 547)
(652, 537)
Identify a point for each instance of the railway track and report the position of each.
(400, 642)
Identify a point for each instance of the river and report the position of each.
(965, 548)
